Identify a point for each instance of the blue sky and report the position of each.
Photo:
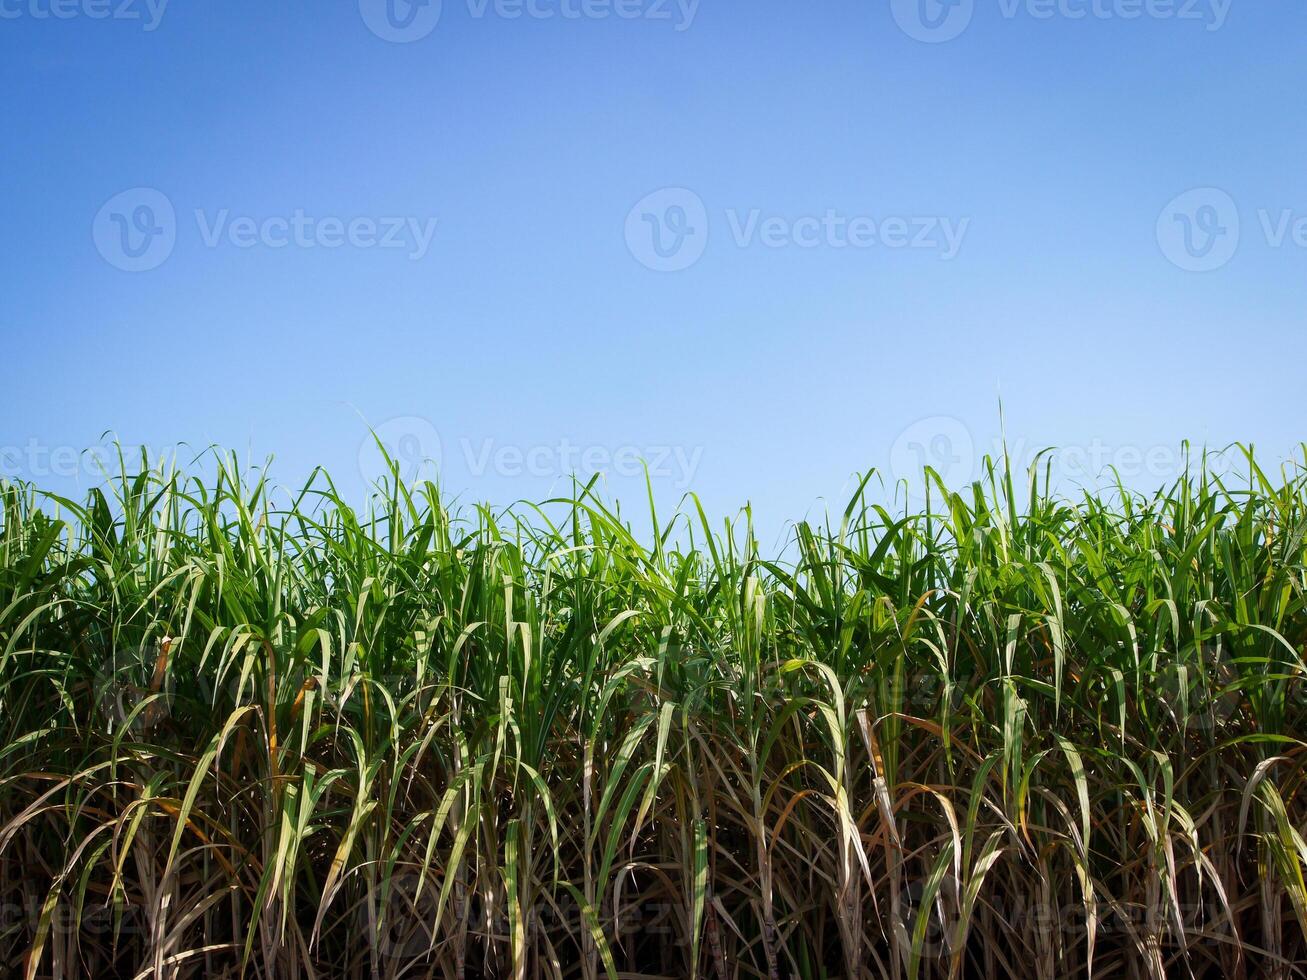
(763, 245)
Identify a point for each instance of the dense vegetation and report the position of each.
(245, 730)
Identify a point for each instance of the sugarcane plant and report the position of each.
(1007, 732)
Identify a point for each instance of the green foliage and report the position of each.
(251, 733)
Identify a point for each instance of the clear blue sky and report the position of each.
(761, 241)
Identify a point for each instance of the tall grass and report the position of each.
(249, 732)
